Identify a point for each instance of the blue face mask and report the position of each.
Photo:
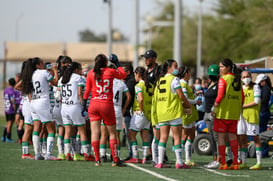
(175, 72)
(198, 87)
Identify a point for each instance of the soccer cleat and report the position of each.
(88, 157)
(103, 158)
(20, 141)
(242, 166)
(223, 167)
(51, 157)
(39, 157)
(118, 164)
(190, 163)
(161, 165)
(183, 166)
(3, 139)
(61, 156)
(132, 160)
(27, 156)
(9, 140)
(256, 167)
(68, 157)
(233, 166)
(98, 163)
(212, 165)
(78, 157)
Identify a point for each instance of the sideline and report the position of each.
(151, 172)
(223, 174)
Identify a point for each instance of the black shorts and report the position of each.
(10, 117)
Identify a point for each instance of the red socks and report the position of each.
(96, 149)
(114, 149)
(222, 153)
(234, 148)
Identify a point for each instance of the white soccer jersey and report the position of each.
(69, 91)
(119, 87)
(40, 79)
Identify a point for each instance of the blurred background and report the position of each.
(196, 33)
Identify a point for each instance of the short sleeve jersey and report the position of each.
(9, 98)
(102, 89)
(119, 88)
(69, 91)
(40, 82)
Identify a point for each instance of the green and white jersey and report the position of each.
(69, 91)
(147, 98)
(40, 82)
(188, 92)
(251, 114)
(166, 105)
(119, 88)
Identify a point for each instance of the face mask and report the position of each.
(175, 72)
(198, 87)
(246, 81)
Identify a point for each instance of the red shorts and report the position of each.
(224, 125)
(98, 111)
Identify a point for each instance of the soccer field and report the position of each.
(12, 167)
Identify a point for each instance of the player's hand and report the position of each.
(114, 59)
(84, 110)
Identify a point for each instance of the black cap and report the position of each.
(149, 54)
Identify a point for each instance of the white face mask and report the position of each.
(246, 81)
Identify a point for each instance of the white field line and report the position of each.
(148, 171)
(151, 172)
(223, 174)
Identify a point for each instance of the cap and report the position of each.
(260, 77)
(213, 70)
(149, 54)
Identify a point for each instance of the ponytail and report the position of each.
(28, 68)
(100, 62)
(236, 84)
(69, 69)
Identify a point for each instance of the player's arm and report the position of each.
(55, 79)
(140, 101)
(80, 94)
(127, 102)
(18, 86)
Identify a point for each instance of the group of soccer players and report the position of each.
(162, 101)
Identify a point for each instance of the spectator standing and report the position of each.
(10, 107)
(265, 85)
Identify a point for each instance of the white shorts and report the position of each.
(40, 110)
(245, 128)
(71, 115)
(119, 121)
(57, 116)
(175, 122)
(189, 125)
(139, 122)
(27, 113)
